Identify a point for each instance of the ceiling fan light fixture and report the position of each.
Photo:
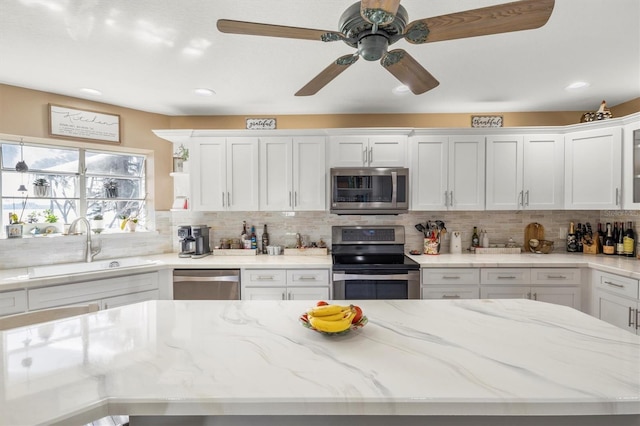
(204, 92)
(90, 91)
(403, 89)
(577, 85)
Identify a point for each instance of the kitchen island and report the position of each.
(498, 362)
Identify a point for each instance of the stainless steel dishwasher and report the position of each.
(206, 284)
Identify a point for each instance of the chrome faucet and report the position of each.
(90, 252)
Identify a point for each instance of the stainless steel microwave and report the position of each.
(369, 190)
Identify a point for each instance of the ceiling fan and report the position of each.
(372, 26)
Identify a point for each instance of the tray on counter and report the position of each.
(312, 251)
(234, 252)
(497, 250)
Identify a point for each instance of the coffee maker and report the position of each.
(187, 241)
(200, 233)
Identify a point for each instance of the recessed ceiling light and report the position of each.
(577, 85)
(89, 91)
(204, 92)
(401, 90)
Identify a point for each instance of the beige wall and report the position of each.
(23, 112)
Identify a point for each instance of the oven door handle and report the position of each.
(391, 277)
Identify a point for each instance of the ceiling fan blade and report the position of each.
(406, 69)
(328, 74)
(381, 12)
(501, 18)
(268, 30)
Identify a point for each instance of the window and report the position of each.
(66, 183)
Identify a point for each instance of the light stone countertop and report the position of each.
(12, 279)
(414, 357)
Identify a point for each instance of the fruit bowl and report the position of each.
(354, 326)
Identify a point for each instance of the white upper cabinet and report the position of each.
(593, 169)
(631, 166)
(447, 172)
(368, 151)
(525, 172)
(225, 174)
(292, 173)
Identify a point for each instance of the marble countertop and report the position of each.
(414, 357)
(11, 279)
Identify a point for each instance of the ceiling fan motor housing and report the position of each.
(355, 29)
(372, 47)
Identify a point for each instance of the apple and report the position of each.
(321, 303)
(358, 315)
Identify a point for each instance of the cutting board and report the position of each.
(532, 230)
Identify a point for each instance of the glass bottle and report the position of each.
(629, 241)
(265, 239)
(254, 238)
(572, 241)
(475, 239)
(608, 246)
(620, 240)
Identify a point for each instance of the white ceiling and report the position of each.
(134, 52)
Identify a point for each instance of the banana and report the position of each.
(320, 324)
(123, 223)
(335, 317)
(325, 310)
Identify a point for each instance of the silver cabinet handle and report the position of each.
(502, 277)
(535, 296)
(446, 198)
(556, 277)
(284, 297)
(265, 277)
(290, 199)
(453, 296)
(307, 278)
(529, 295)
(450, 277)
(521, 198)
(527, 196)
(631, 316)
(295, 198)
(450, 198)
(392, 277)
(614, 284)
(364, 157)
(223, 199)
(617, 196)
(370, 155)
(228, 199)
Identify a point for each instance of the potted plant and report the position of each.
(49, 217)
(110, 188)
(180, 156)
(41, 187)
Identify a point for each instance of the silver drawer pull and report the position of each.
(614, 284)
(556, 277)
(632, 314)
(266, 277)
(453, 296)
(449, 277)
(506, 278)
(306, 278)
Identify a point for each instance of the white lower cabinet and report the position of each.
(616, 300)
(284, 284)
(450, 283)
(560, 286)
(13, 302)
(109, 292)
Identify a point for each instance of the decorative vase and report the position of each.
(131, 226)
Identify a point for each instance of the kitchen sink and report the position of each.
(80, 267)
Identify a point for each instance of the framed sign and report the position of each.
(83, 124)
(486, 121)
(261, 123)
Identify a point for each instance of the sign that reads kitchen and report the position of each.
(486, 121)
(261, 123)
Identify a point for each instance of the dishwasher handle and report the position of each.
(217, 278)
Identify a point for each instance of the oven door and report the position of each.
(376, 284)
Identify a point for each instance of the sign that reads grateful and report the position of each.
(261, 123)
(486, 121)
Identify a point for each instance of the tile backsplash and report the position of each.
(282, 227)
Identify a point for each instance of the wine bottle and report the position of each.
(572, 242)
(620, 240)
(600, 237)
(265, 239)
(614, 234)
(629, 241)
(475, 239)
(608, 246)
(254, 239)
(579, 235)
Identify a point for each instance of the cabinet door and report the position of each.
(308, 293)
(242, 174)
(429, 170)
(616, 310)
(504, 172)
(309, 174)
(348, 151)
(543, 172)
(504, 292)
(387, 151)
(209, 174)
(276, 177)
(264, 293)
(466, 173)
(128, 299)
(631, 167)
(593, 171)
(567, 296)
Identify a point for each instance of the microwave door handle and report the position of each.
(394, 188)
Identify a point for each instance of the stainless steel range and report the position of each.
(369, 263)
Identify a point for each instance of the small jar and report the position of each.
(225, 243)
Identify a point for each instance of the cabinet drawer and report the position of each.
(616, 284)
(303, 277)
(450, 292)
(505, 276)
(264, 277)
(439, 276)
(89, 291)
(13, 302)
(555, 276)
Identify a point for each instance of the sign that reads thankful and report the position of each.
(261, 123)
(486, 121)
